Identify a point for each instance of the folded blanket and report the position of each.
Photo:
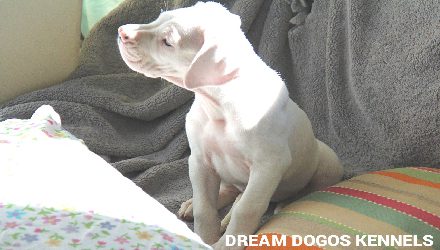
(366, 72)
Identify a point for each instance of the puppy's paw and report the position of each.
(186, 210)
(281, 205)
(225, 222)
(221, 245)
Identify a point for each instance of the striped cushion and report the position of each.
(402, 201)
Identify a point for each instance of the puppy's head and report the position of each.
(189, 47)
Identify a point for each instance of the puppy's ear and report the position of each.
(212, 65)
(217, 61)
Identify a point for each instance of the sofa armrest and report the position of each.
(40, 44)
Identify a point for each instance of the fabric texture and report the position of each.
(366, 73)
(47, 228)
(401, 201)
(44, 123)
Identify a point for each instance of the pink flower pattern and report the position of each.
(53, 220)
(11, 224)
(167, 237)
(122, 240)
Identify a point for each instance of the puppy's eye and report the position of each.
(165, 41)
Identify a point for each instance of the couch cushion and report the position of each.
(402, 201)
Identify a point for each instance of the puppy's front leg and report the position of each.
(247, 212)
(206, 184)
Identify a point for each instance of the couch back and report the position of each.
(40, 43)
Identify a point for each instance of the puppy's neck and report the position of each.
(210, 104)
(245, 99)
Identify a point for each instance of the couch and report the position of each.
(40, 44)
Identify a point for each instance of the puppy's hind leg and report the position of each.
(225, 222)
(329, 170)
(226, 196)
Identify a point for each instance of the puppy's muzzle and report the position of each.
(129, 35)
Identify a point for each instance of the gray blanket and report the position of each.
(366, 72)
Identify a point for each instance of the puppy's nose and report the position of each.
(128, 35)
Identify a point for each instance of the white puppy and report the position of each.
(246, 135)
